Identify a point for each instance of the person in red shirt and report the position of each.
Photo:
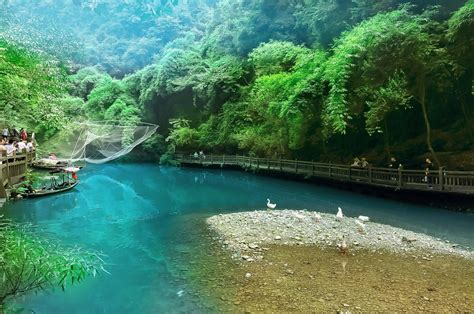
(23, 134)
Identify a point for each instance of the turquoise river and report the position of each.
(148, 221)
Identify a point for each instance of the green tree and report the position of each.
(375, 51)
(384, 100)
(182, 135)
(103, 96)
(460, 47)
(30, 89)
(276, 56)
(30, 264)
(85, 80)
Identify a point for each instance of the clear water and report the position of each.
(138, 215)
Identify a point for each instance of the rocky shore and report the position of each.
(247, 234)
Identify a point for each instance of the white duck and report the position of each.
(343, 249)
(318, 217)
(270, 205)
(361, 226)
(339, 214)
(364, 219)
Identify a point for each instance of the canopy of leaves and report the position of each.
(460, 30)
(289, 78)
(30, 88)
(121, 36)
(374, 51)
(276, 56)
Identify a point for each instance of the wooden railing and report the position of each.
(13, 168)
(437, 180)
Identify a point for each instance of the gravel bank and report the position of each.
(247, 233)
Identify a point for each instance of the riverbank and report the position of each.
(289, 261)
(307, 279)
(246, 234)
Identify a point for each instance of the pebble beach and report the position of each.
(290, 261)
(246, 234)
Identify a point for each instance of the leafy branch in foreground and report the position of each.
(29, 264)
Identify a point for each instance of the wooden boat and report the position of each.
(55, 187)
(63, 187)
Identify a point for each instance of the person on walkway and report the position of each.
(392, 162)
(201, 155)
(14, 133)
(5, 134)
(428, 166)
(11, 148)
(392, 165)
(3, 149)
(23, 134)
(30, 146)
(195, 155)
(21, 146)
(364, 163)
(356, 162)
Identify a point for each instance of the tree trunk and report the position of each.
(463, 97)
(427, 123)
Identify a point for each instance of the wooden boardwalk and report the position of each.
(12, 169)
(438, 181)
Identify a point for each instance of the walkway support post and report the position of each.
(441, 178)
(400, 177)
(8, 171)
(3, 192)
(370, 173)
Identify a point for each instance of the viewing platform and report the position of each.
(12, 169)
(437, 181)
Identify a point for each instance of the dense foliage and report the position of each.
(31, 89)
(312, 79)
(28, 264)
(398, 67)
(121, 36)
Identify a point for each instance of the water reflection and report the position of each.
(343, 260)
(138, 216)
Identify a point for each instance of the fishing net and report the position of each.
(98, 143)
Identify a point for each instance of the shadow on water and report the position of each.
(149, 221)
